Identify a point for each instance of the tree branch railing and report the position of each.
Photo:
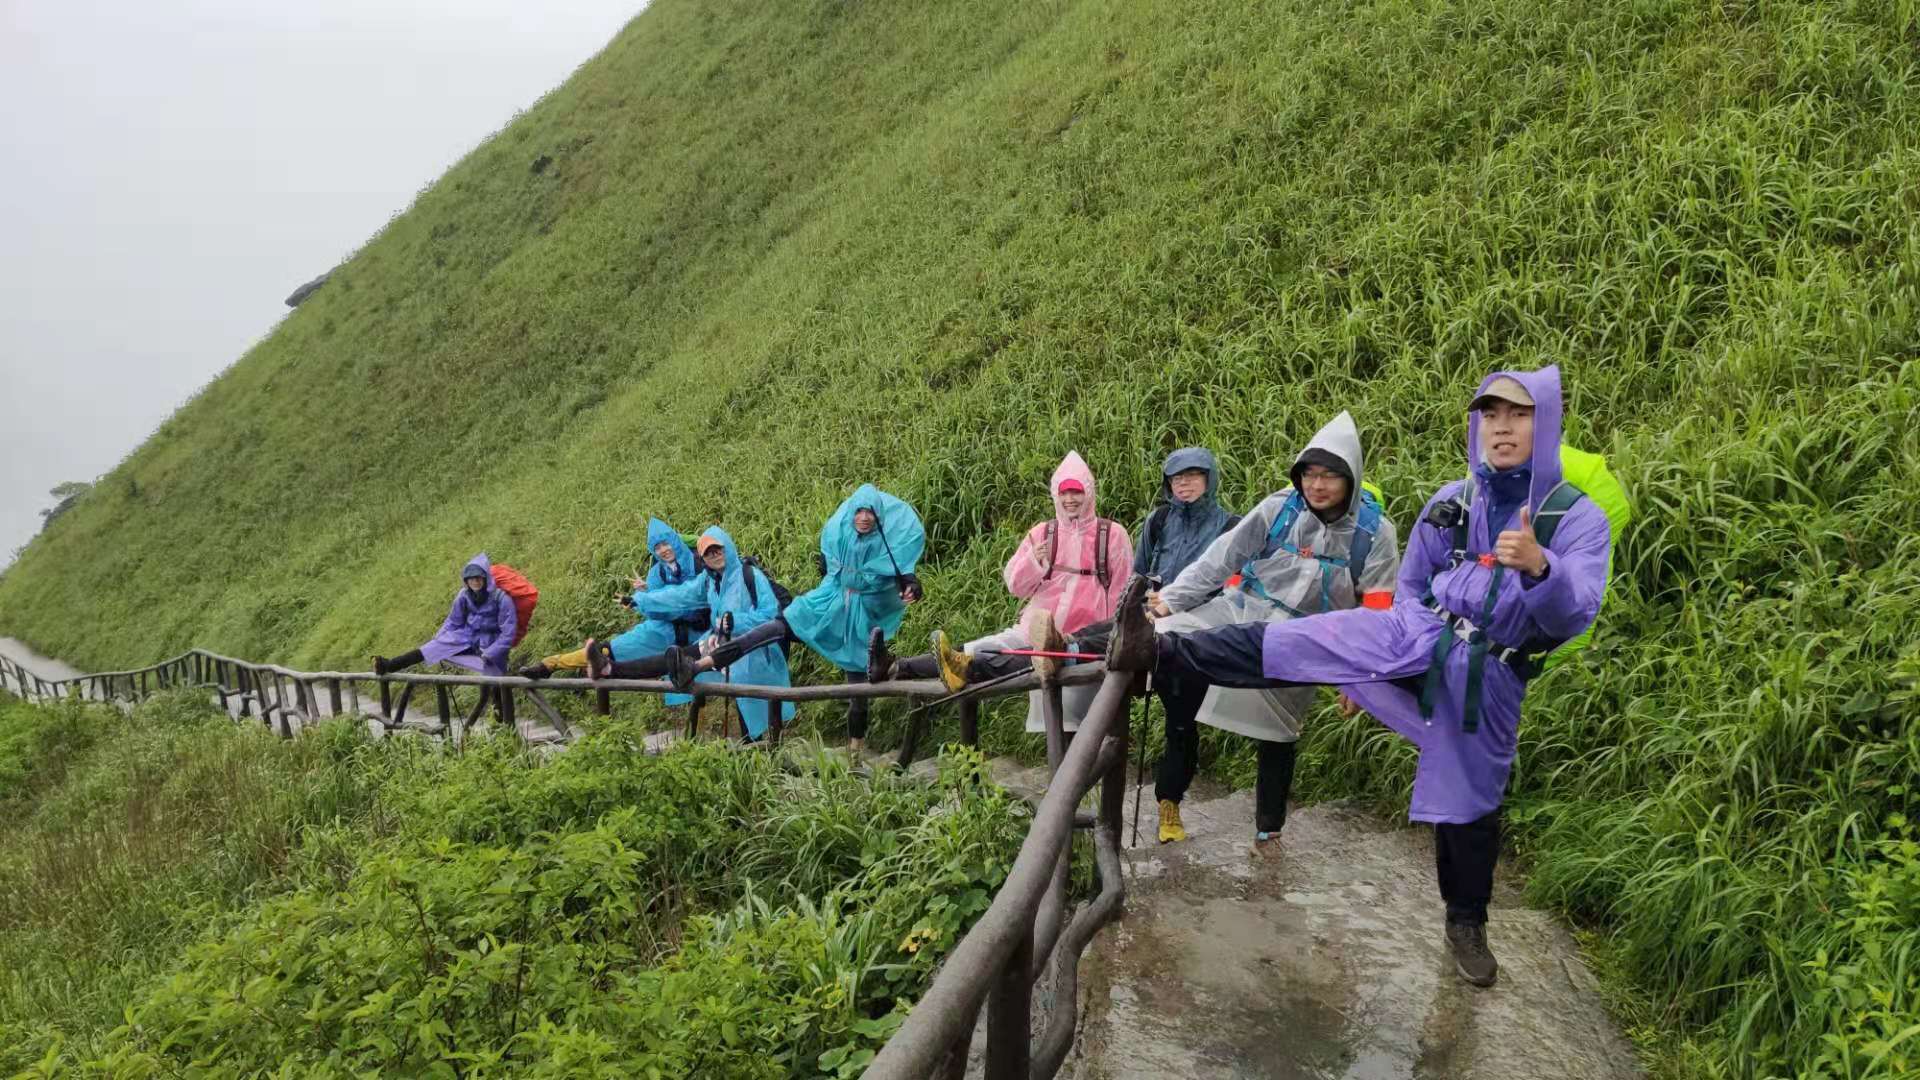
(1023, 934)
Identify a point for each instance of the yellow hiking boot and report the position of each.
(1171, 831)
(953, 662)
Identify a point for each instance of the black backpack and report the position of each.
(782, 595)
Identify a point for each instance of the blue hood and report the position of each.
(659, 532)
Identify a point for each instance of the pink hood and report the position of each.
(1070, 592)
(1072, 467)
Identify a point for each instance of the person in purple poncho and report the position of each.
(1502, 568)
(478, 632)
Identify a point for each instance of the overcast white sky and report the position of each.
(171, 169)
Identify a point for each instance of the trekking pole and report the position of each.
(973, 689)
(1140, 770)
(725, 633)
(1086, 656)
(1146, 721)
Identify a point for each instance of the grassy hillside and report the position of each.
(752, 255)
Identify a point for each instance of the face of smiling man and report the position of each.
(1506, 423)
(1506, 433)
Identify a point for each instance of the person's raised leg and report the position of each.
(643, 667)
(1220, 656)
(385, 665)
(567, 661)
(729, 652)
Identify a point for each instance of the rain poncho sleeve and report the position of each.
(1025, 573)
(672, 601)
(861, 588)
(1563, 602)
(507, 623)
(1224, 557)
(453, 627)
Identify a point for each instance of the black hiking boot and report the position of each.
(1132, 647)
(680, 670)
(536, 672)
(599, 659)
(1471, 957)
(879, 657)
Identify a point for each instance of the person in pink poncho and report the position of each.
(1070, 571)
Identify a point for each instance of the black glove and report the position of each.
(910, 589)
(626, 600)
(820, 562)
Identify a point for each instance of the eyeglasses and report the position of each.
(1319, 476)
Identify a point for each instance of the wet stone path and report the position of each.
(1324, 959)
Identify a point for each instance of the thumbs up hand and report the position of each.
(1520, 549)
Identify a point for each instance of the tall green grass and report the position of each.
(128, 838)
(195, 896)
(782, 250)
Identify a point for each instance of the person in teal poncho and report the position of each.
(671, 617)
(740, 599)
(868, 551)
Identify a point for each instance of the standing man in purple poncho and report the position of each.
(1502, 568)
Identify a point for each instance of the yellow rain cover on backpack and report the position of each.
(1590, 474)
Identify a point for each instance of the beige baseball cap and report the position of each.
(1505, 388)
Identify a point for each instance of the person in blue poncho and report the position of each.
(868, 551)
(671, 617)
(738, 597)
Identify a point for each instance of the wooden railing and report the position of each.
(996, 966)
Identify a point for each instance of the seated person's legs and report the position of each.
(386, 665)
(729, 652)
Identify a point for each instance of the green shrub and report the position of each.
(719, 924)
(136, 836)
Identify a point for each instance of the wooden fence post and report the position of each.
(1009, 1015)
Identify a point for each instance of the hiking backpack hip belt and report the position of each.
(1523, 662)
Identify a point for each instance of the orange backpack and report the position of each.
(521, 591)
